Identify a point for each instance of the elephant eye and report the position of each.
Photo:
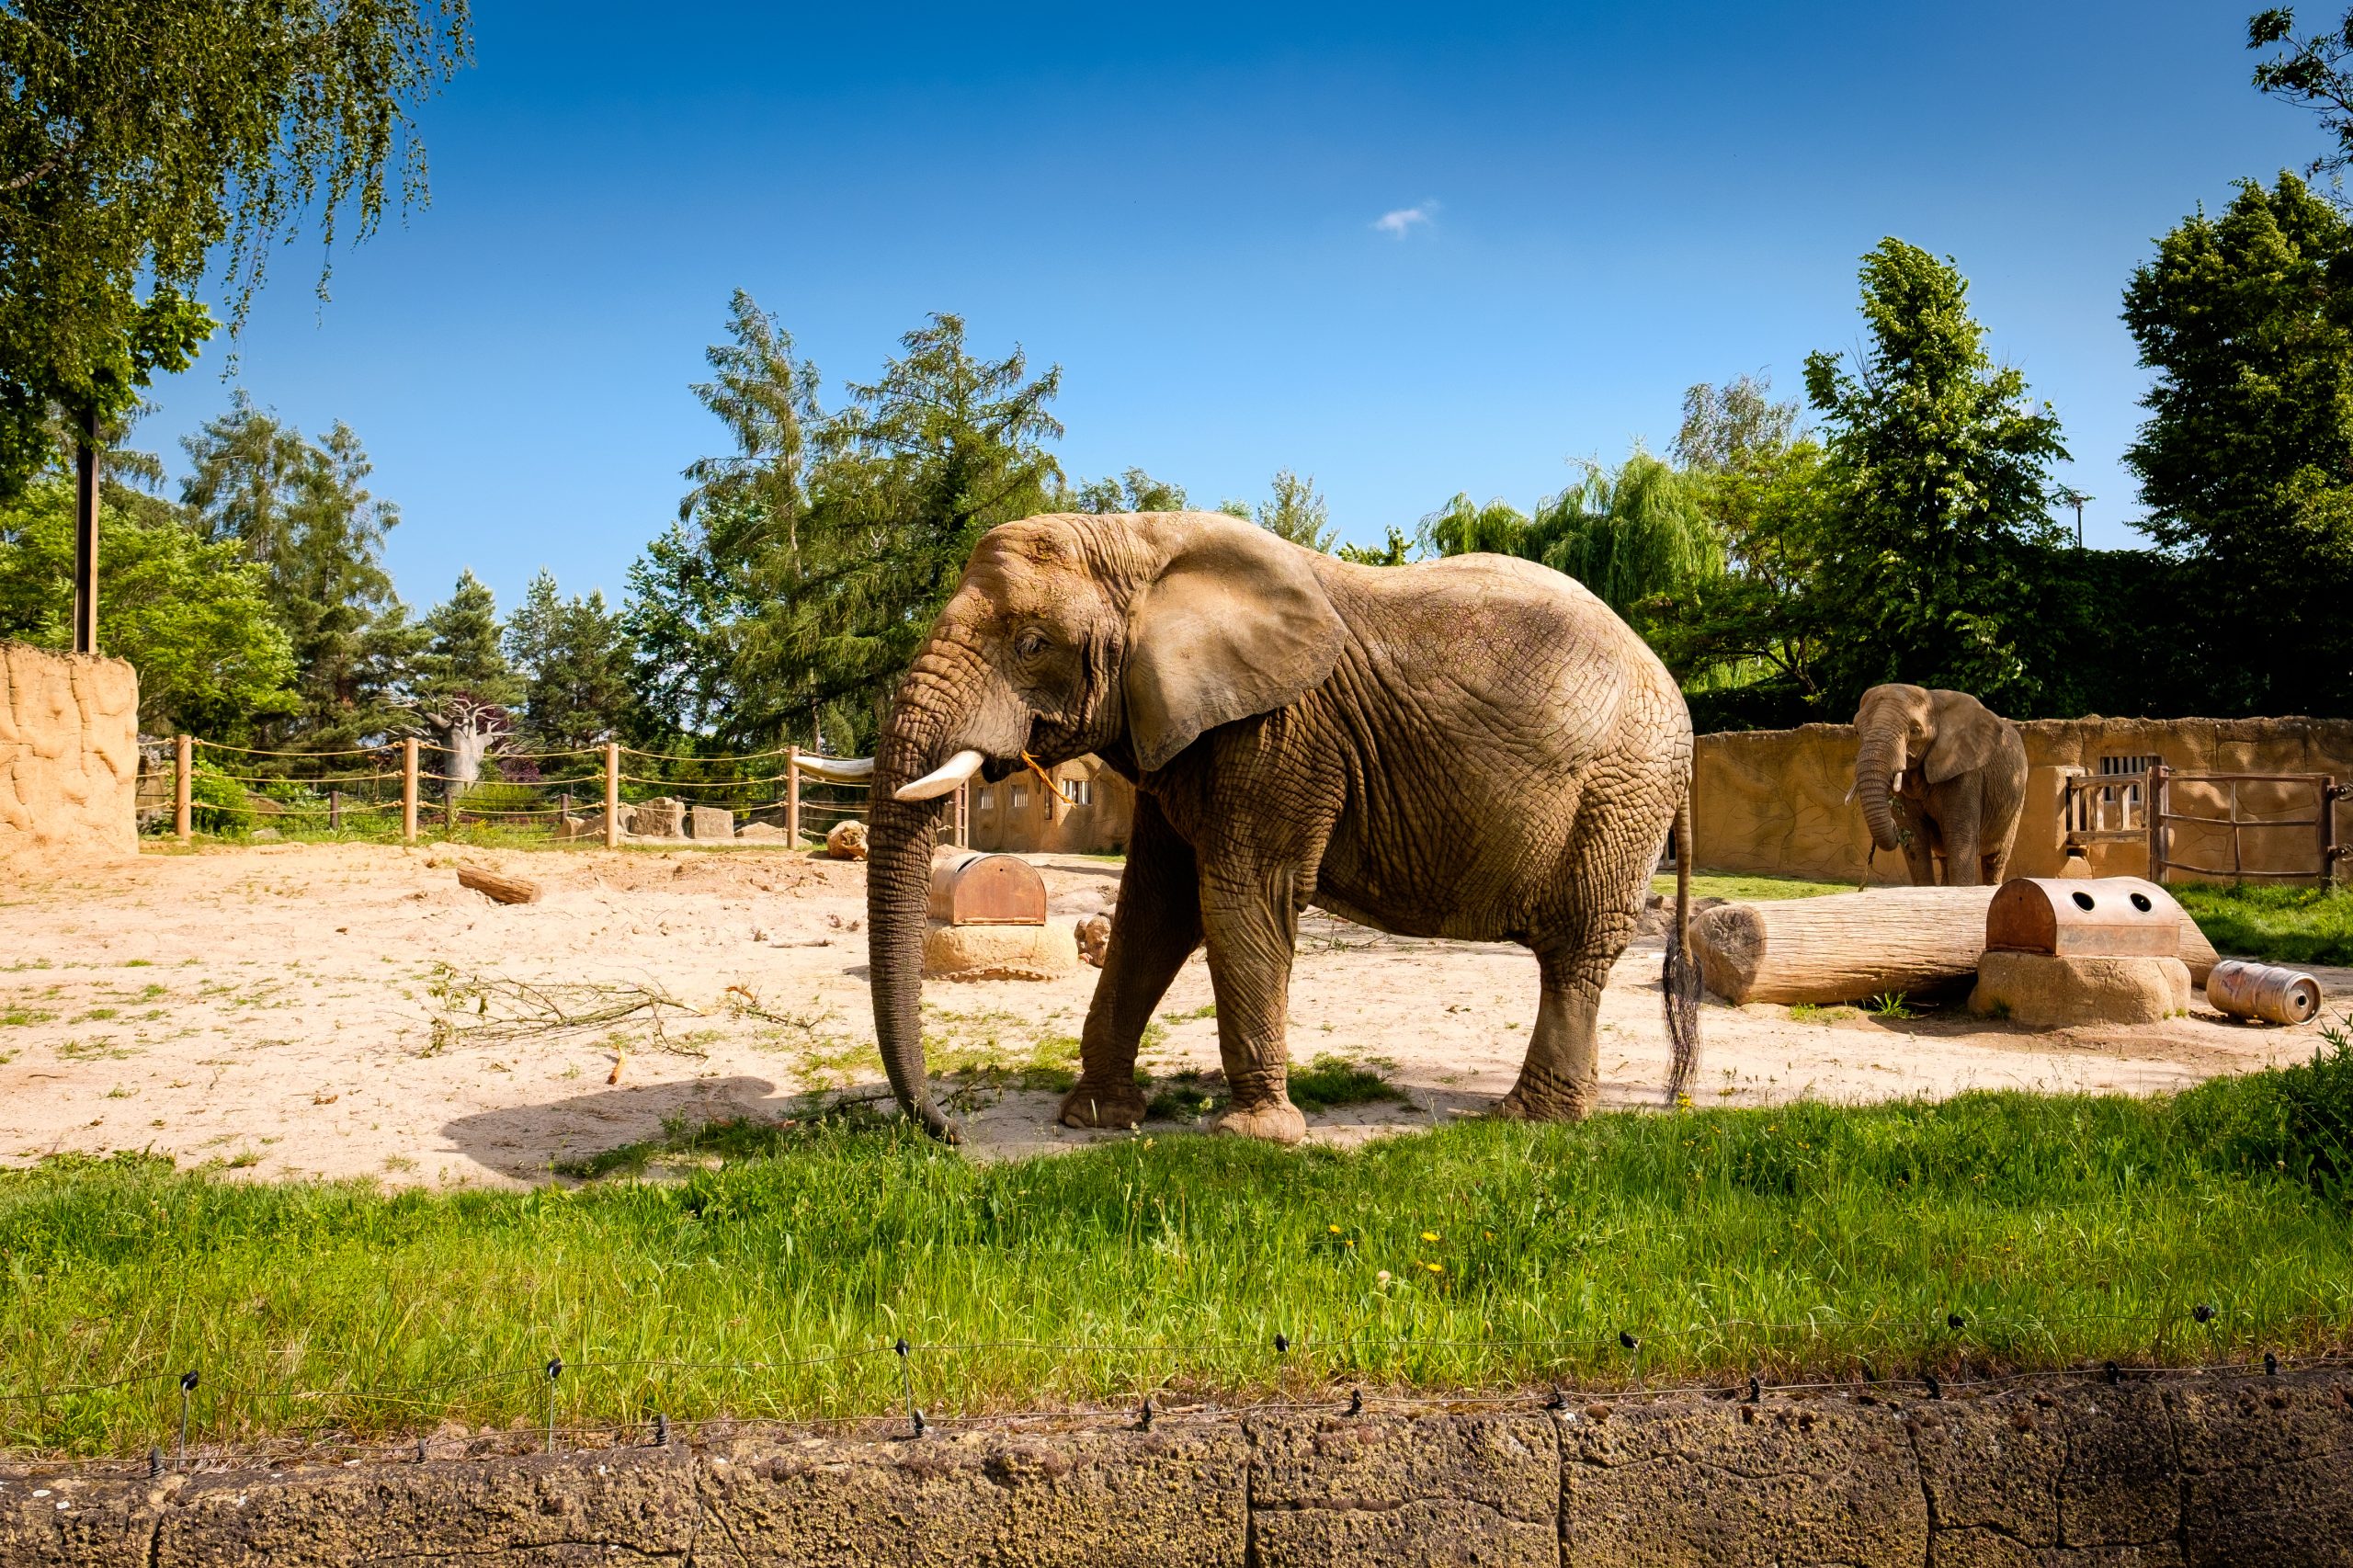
(1031, 646)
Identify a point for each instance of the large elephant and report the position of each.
(1475, 748)
(1956, 771)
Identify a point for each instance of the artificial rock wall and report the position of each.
(68, 757)
(1773, 801)
(2243, 1469)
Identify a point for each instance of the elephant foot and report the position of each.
(1103, 1105)
(1526, 1102)
(1277, 1122)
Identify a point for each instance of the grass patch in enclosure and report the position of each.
(2274, 923)
(1805, 1238)
(1747, 888)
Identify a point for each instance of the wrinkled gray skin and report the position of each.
(1964, 770)
(1475, 748)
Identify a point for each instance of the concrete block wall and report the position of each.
(68, 757)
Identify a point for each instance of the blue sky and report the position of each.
(1182, 206)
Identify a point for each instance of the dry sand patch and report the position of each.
(327, 1010)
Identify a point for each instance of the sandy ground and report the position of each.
(348, 1010)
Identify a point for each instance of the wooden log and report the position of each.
(505, 890)
(1848, 947)
(1844, 947)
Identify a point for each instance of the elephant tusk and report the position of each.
(1850, 795)
(941, 779)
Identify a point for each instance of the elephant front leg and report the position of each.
(1252, 923)
(1154, 931)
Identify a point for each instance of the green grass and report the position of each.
(1710, 884)
(1807, 1238)
(2277, 925)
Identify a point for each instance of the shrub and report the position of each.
(218, 804)
(2296, 1120)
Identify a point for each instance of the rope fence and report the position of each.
(412, 788)
(1295, 1373)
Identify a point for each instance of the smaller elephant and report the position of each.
(1940, 774)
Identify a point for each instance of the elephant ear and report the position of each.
(1236, 623)
(1968, 735)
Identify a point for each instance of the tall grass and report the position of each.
(2277, 925)
(1808, 1238)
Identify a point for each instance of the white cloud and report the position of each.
(1401, 223)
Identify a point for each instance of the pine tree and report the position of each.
(463, 656)
(575, 658)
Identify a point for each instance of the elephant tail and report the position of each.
(1679, 978)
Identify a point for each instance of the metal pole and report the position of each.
(86, 535)
(408, 790)
(792, 796)
(612, 794)
(183, 781)
(2327, 815)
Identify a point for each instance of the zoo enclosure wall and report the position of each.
(1774, 801)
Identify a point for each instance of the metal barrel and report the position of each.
(2263, 991)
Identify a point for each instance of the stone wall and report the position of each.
(2236, 1468)
(1773, 801)
(68, 757)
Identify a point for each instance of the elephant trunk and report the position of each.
(1877, 762)
(900, 837)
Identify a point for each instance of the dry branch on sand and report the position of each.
(495, 1009)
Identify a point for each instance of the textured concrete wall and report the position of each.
(68, 757)
(1774, 800)
(2194, 1470)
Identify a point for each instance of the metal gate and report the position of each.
(2123, 807)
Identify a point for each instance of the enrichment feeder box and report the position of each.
(968, 888)
(988, 921)
(2082, 951)
(2106, 917)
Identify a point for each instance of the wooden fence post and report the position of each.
(612, 794)
(334, 811)
(964, 814)
(792, 796)
(183, 782)
(2154, 805)
(408, 790)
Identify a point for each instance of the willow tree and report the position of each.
(144, 140)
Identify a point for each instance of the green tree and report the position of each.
(1939, 471)
(138, 137)
(1396, 549)
(301, 511)
(1636, 535)
(681, 615)
(463, 652)
(908, 474)
(2245, 461)
(1751, 647)
(1296, 511)
(1134, 491)
(189, 613)
(2312, 71)
(577, 664)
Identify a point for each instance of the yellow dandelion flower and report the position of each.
(1334, 1229)
(1429, 1235)
(1435, 1267)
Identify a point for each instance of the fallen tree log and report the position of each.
(1848, 947)
(505, 890)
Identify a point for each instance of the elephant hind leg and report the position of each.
(1560, 1079)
